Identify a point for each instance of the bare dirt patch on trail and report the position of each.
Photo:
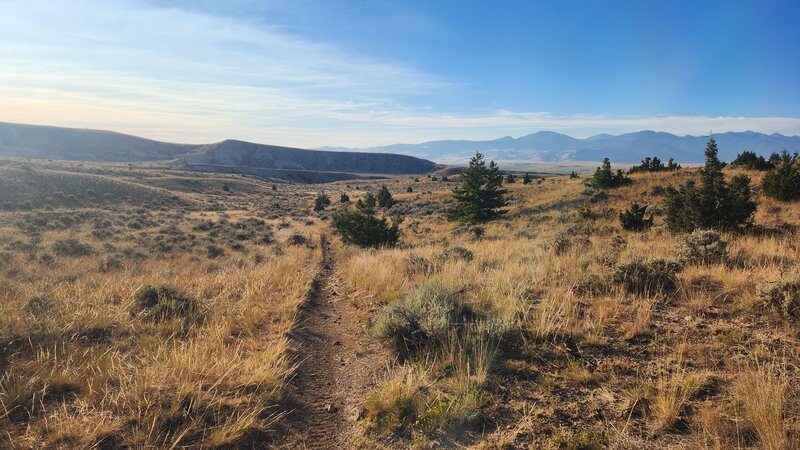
(337, 367)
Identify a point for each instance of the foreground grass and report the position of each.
(583, 357)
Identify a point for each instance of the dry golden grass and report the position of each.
(81, 370)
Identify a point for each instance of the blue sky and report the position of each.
(359, 73)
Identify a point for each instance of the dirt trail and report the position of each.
(338, 367)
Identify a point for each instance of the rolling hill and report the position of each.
(230, 156)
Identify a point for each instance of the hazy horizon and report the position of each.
(344, 74)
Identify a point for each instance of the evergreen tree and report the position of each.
(385, 199)
(605, 178)
(715, 203)
(783, 182)
(480, 197)
(510, 178)
(344, 198)
(361, 226)
(321, 201)
(527, 179)
(633, 218)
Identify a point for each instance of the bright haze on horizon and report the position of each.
(313, 73)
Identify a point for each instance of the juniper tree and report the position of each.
(480, 197)
(783, 181)
(527, 179)
(715, 203)
(384, 198)
(605, 178)
(362, 227)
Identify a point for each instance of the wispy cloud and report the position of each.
(193, 74)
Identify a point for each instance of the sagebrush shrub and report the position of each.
(163, 302)
(417, 265)
(658, 276)
(422, 317)
(456, 253)
(297, 239)
(703, 247)
(783, 296)
(71, 247)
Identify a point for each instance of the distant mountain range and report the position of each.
(548, 146)
(230, 156)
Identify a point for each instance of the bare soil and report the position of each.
(337, 368)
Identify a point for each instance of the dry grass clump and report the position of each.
(761, 389)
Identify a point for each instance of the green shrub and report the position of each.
(647, 278)
(344, 198)
(703, 247)
(714, 204)
(604, 178)
(71, 248)
(783, 182)
(633, 218)
(164, 302)
(784, 297)
(361, 227)
(384, 198)
(321, 201)
(424, 316)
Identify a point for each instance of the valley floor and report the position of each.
(152, 308)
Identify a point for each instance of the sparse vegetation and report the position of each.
(550, 328)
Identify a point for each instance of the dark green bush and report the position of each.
(384, 198)
(632, 219)
(163, 302)
(344, 198)
(750, 160)
(361, 227)
(604, 178)
(654, 164)
(321, 201)
(783, 181)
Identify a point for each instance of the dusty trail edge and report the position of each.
(337, 366)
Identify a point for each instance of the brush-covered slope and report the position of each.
(247, 154)
(44, 142)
